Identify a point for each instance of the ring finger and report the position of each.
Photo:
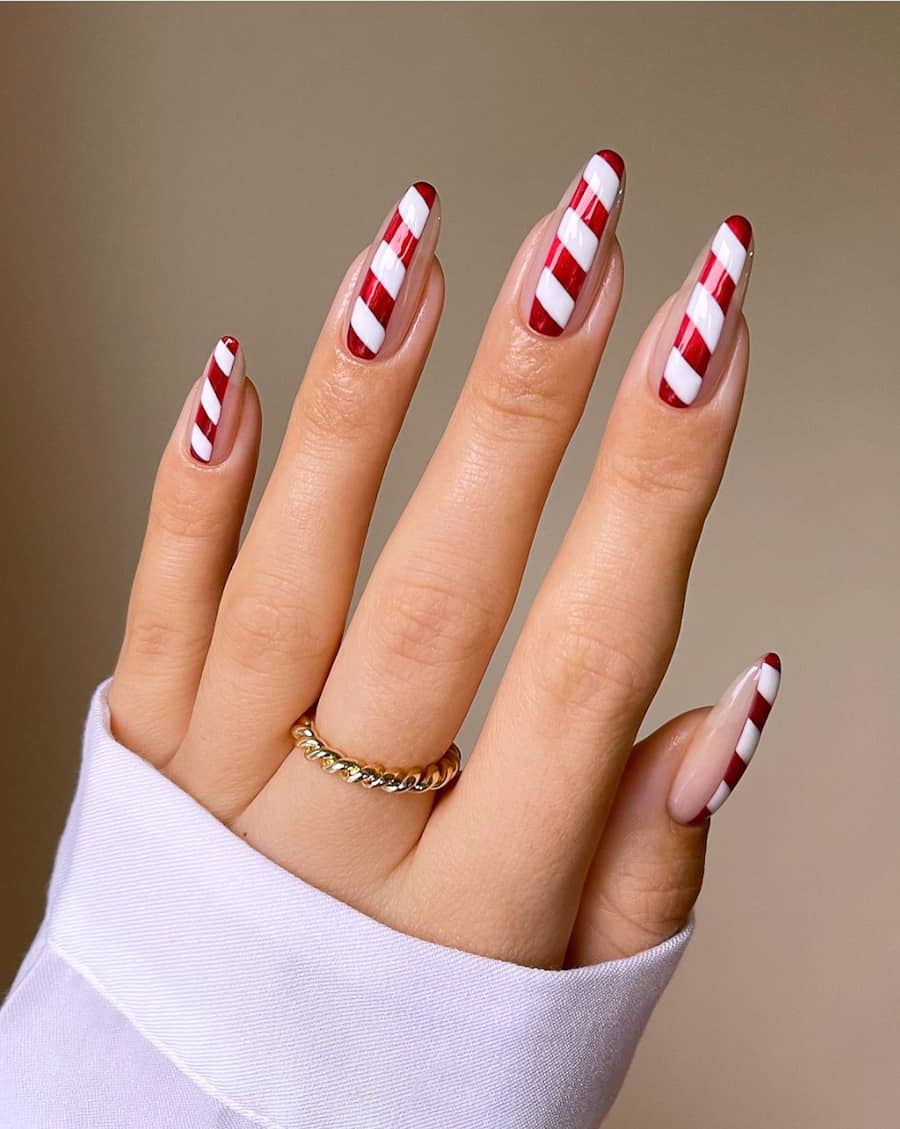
(600, 634)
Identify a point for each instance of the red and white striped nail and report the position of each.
(209, 437)
(395, 275)
(724, 743)
(719, 288)
(571, 269)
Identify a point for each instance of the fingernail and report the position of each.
(214, 421)
(725, 742)
(705, 326)
(395, 275)
(571, 268)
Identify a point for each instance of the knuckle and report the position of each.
(650, 902)
(672, 474)
(264, 624)
(183, 511)
(339, 407)
(588, 670)
(425, 619)
(630, 927)
(151, 637)
(524, 394)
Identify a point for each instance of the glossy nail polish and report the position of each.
(700, 332)
(724, 743)
(588, 215)
(387, 295)
(217, 381)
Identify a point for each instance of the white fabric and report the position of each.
(227, 992)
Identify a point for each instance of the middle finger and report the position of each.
(440, 594)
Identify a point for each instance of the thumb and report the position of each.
(648, 868)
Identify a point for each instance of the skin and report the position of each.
(555, 847)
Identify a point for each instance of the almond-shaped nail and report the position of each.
(214, 420)
(571, 267)
(395, 275)
(724, 743)
(718, 288)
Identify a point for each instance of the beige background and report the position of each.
(173, 173)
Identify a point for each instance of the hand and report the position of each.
(559, 844)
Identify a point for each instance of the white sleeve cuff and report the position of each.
(299, 1011)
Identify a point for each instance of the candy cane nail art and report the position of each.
(766, 690)
(575, 244)
(701, 327)
(212, 397)
(387, 271)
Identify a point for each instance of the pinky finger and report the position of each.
(648, 868)
(199, 499)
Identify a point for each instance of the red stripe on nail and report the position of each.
(541, 321)
(742, 228)
(759, 711)
(717, 281)
(669, 396)
(565, 268)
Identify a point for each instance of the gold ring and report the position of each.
(416, 779)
